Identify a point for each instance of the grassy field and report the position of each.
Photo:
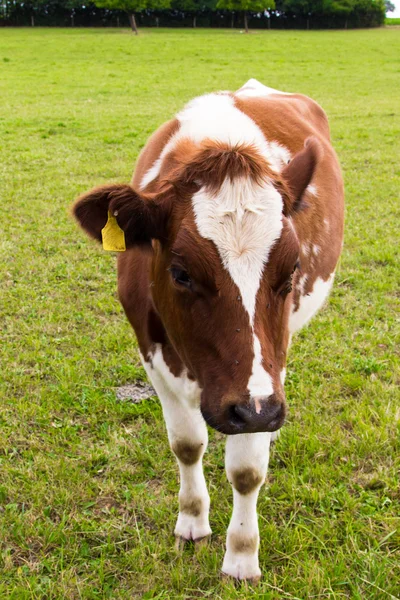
(88, 486)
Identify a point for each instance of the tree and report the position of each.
(72, 5)
(246, 6)
(389, 6)
(188, 6)
(307, 8)
(369, 13)
(132, 7)
(36, 7)
(193, 7)
(342, 8)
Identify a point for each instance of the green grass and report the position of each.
(392, 21)
(88, 486)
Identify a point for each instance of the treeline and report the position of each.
(274, 14)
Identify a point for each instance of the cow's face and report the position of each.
(230, 328)
(224, 254)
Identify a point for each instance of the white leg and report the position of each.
(246, 463)
(188, 438)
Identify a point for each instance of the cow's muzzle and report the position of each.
(257, 414)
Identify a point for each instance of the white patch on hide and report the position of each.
(254, 88)
(302, 283)
(167, 383)
(153, 172)
(310, 303)
(215, 117)
(312, 190)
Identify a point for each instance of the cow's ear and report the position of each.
(298, 174)
(141, 217)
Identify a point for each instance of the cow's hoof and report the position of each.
(180, 543)
(252, 581)
(242, 568)
(202, 542)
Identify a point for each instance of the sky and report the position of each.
(396, 13)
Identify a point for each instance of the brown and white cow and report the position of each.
(233, 226)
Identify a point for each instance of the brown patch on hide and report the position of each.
(191, 507)
(241, 544)
(186, 452)
(246, 480)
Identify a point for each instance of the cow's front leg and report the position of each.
(246, 464)
(188, 439)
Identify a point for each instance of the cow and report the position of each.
(232, 228)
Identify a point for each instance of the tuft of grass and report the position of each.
(88, 486)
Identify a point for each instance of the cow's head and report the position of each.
(224, 252)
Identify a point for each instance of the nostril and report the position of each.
(237, 415)
(275, 412)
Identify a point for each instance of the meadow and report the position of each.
(88, 485)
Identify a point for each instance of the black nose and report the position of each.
(263, 413)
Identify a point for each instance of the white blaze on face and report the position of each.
(244, 220)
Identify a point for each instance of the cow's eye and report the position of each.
(181, 277)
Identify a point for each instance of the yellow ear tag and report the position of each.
(113, 236)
